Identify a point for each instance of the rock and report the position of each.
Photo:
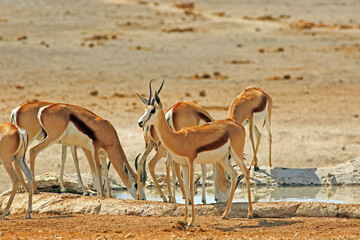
(129, 235)
(65, 204)
(317, 209)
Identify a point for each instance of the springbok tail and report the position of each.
(241, 177)
(24, 139)
(13, 115)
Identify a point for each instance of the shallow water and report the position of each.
(330, 194)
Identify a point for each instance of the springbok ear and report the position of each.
(145, 101)
(157, 99)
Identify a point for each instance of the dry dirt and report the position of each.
(210, 227)
(97, 53)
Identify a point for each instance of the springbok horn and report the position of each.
(161, 86)
(136, 161)
(144, 100)
(150, 93)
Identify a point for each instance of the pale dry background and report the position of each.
(315, 119)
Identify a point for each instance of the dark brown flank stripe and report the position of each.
(262, 105)
(82, 127)
(204, 117)
(214, 145)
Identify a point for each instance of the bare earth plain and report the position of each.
(97, 53)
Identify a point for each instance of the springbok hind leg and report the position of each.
(26, 170)
(246, 172)
(233, 176)
(18, 172)
(15, 181)
(268, 128)
(254, 161)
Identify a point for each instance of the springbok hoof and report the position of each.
(225, 218)
(256, 169)
(250, 217)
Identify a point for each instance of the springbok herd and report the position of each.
(186, 134)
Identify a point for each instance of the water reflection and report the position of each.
(331, 194)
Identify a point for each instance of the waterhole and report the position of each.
(329, 194)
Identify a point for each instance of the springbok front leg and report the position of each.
(203, 180)
(246, 172)
(150, 146)
(152, 163)
(185, 172)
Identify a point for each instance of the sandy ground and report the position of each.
(97, 53)
(210, 227)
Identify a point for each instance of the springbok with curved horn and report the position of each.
(74, 125)
(207, 143)
(182, 114)
(13, 144)
(253, 106)
(25, 116)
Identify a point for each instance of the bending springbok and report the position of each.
(74, 125)
(25, 116)
(207, 143)
(13, 144)
(253, 106)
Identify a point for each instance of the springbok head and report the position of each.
(152, 105)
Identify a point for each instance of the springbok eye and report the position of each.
(152, 111)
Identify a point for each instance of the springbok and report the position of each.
(25, 116)
(207, 143)
(185, 114)
(182, 114)
(13, 144)
(253, 106)
(78, 126)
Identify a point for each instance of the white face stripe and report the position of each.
(147, 116)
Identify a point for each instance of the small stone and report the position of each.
(202, 93)
(129, 235)
(94, 93)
